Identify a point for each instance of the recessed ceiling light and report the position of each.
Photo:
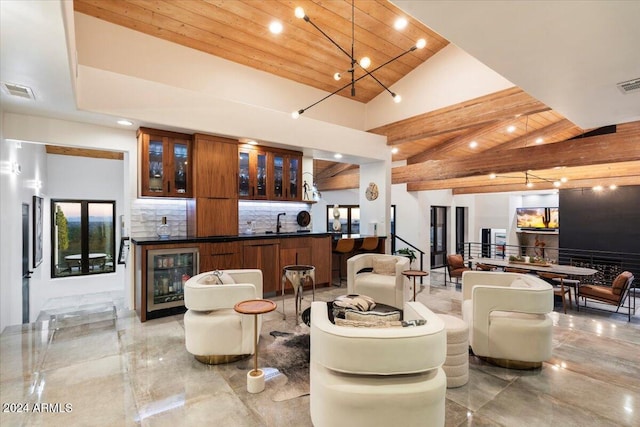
(473, 144)
(337, 156)
(394, 150)
(511, 128)
(125, 122)
(400, 24)
(563, 179)
(252, 142)
(275, 27)
(539, 141)
(613, 187)
(597, 188)
(492, 176)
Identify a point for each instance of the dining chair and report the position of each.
(485, 267)
(516, 270)
(561, 291)
(616, 294)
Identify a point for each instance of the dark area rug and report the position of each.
(289, 355)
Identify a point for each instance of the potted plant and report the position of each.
(409, 253)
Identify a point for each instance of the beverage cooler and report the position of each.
(167, 272)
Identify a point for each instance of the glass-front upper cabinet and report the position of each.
(252, 173)
(293, 177)
(165, 169)
(286, 177)
(278, 177)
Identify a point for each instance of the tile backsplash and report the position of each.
(264, 216)
(146, 215)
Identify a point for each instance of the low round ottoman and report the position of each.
(456, 366)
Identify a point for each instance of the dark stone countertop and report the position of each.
(154, 240)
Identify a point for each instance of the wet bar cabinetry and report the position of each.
(266, 173)
(161, 271)
(221, 256)
(264, 255)
(164, 164)
(154, 259)
(213, 211)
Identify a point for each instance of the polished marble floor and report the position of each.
(89, 362)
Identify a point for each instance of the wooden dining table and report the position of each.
(570, 270)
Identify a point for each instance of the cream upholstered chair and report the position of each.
(508, 317)
(377, 376)
(384, 283)
(214, 331)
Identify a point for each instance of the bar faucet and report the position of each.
(278, 224)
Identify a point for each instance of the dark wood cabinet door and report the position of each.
(215, 167)
(266, 257)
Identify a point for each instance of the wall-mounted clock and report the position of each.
(372, 191)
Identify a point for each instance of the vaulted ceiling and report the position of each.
(506, 133)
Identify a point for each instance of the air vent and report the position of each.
(18, 90)
(629, 86)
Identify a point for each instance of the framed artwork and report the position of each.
(123, 254)
(38, 230)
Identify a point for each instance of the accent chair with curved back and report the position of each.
(508, 317)
(362, 376)
(214, 332)
(378, 276)
(615, 295)
(455, 266)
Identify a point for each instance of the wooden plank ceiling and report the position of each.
(435, 145)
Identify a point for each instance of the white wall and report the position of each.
(449, 77)
(82, 178)
(15, 190)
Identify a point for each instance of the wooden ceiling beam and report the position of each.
(546, 132)
(334, 170)
(440, 151)
(84, 152)
(622, 146)
(584, 183)
(339, 182)
(484, 110)
(516, 181)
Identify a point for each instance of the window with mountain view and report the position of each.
(82, 237)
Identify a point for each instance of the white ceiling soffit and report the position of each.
(571, 55)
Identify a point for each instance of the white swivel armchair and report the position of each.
(508, 317)
(363, 376)
(214, 331)
(385, 283)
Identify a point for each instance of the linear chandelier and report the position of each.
(364, 62)
(529, 179)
